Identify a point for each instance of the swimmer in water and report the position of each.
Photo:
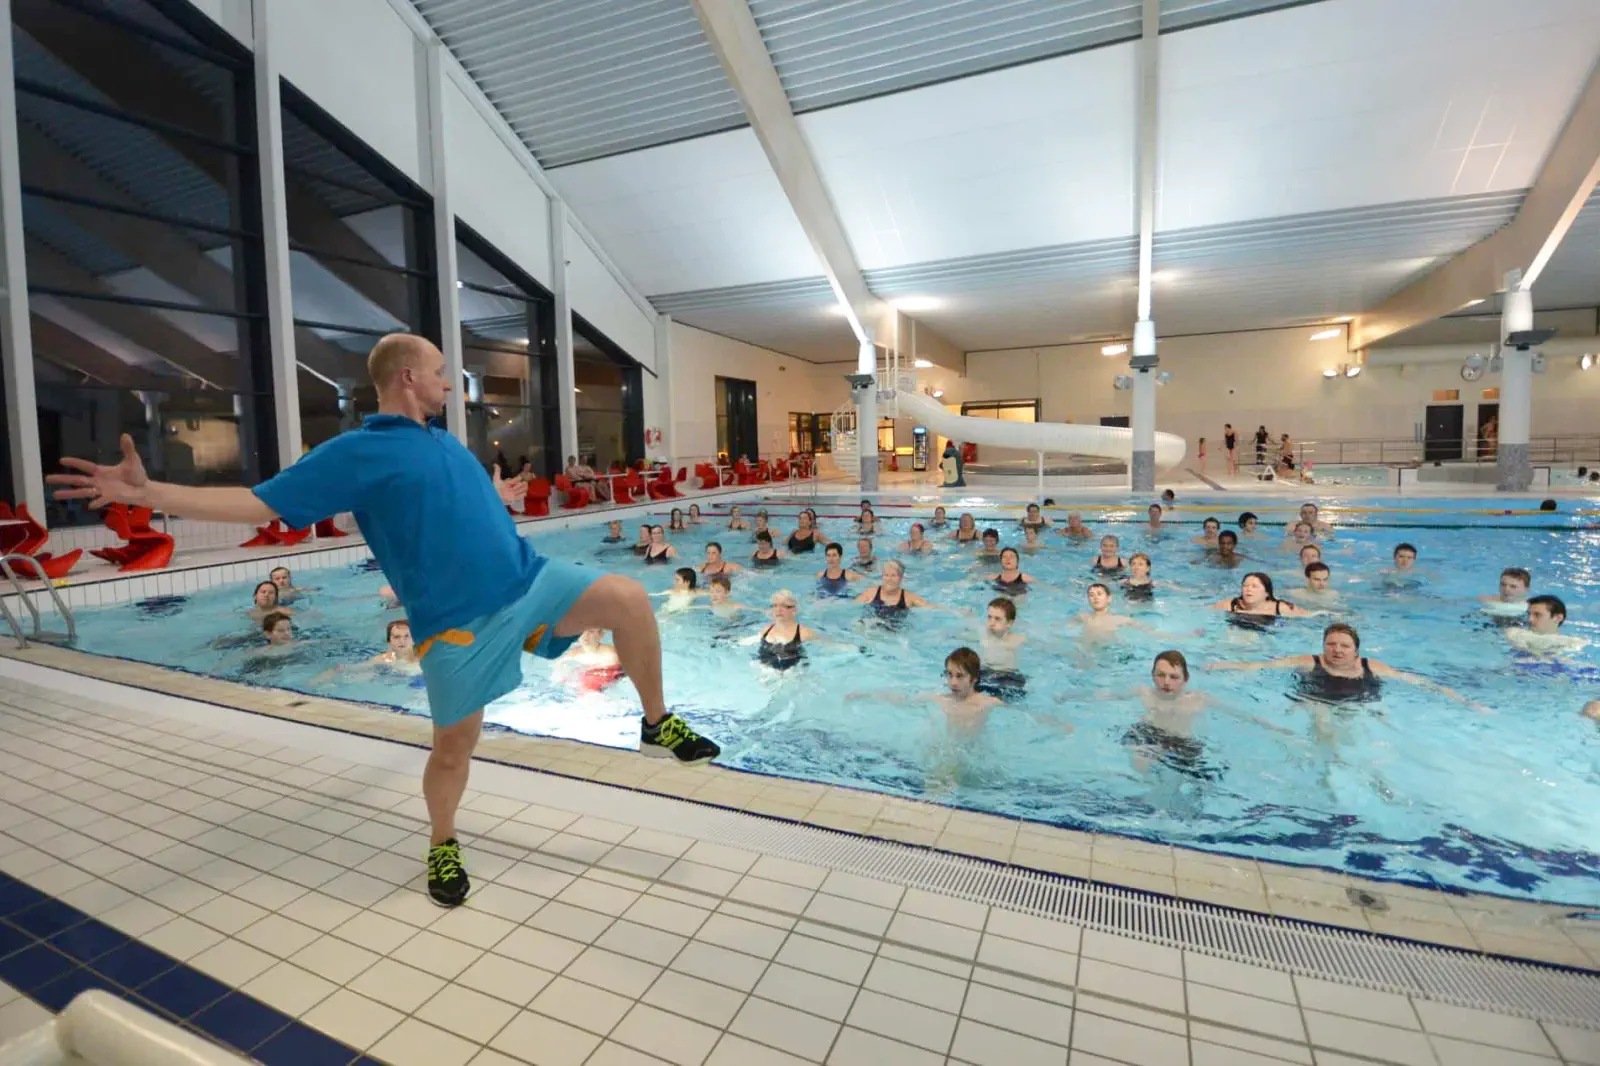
(890, 599)
(1108, 563)
(278, 629)
(287, 592)
(1226, 554)
(1404, 573)
(1543, 637)
(867, 524)
(1031, 542)
(1099, 623)
(1208, 533)
(761, 525)
(400, 650)
(722, 605)
(1591, 710)
(1256, 599)
(1011, 580)
(1138, 587)
(266, 602)
(1075, 528)
(1000, 643)
(1168, 496)
(642, 545)
(1316, 591)
(1249, 525)
(864, 559)
(1299, 534)
(804, 538)
(675, 521)
(1313, 518)
(685, 590)
(694, 515)
(780, 646)
(834, 579)
(1154, 514)
(613, 533)
(1309, 553)
(1341, 674)
(766, 556)
(1512, 602)
(917, 543)
(736, 519)
(965, 702)
(966, 529)
(715, 564)
(659, 552)
(590, 664)
(990, 548)
(1034, 519)
(940, 520)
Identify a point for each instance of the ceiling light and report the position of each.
(1330, 373)
(1473, 303)
(1586, 361)
(1353, 370)
(1326, 334)
(1114, 349)
(938, 393)
(836, 309)
(576, 389)
(921, 364)
(1165, 275)
(914, 303)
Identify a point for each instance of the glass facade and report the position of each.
(141, 216)
(508, 353)
(610, 399)
(361, 263)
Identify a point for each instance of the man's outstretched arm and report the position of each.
(127, 483)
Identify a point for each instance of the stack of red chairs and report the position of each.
(662, 487)
(707, 473)
(326, 528)
(780, 470)
(273, 535)
(537, 500)
(763, 471)
(577, 496)
(143, 548)
(624, 490)
(27, 539)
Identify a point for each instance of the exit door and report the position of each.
(1441, 436)
(736, 421)
(1488, 429)
(1120, 421)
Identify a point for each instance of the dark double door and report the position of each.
(1442, 432)
(740, 438)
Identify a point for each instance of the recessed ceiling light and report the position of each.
(915, 303)
(1326, 334)
(1165, 275)
(1473, 303)
(921, 364)
(1114, 349)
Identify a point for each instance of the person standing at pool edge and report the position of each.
(475, 592)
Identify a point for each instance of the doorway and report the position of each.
(1120, 421)
(736, 419)
(1442, 429)
(1488, 430)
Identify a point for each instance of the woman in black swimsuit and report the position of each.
(1109, 562)
(642, 545)
(766, 556)
(715, 565)
(659, 551)
(779, 645)
(1034, 519)
(966, 529)
(675, 521)
(939, 519)
(890, 601)
(803, 539)
(1230, 442)
(834, 579)
(1011, 580)
(735, 519)
(1341, 674)
(1256, 604)
(1137, 586)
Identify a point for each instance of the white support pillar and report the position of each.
(444, 240)
(1142, 465)
(566, 375)
(275, 240)
(867, 417)
(16, 337)
(664, 398)
(1512, 469)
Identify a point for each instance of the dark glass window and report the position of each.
(361, 262)
(141, 210)
(508, 352)
(610, 399)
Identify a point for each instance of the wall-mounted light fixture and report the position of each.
(1327, 334)
(921, 364)
(1114, 349)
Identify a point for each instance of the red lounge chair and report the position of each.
(537, 501)
(577, 498)
(662, 487)
(326, 528)
(273, 535)
(46, 566)
(145, 549)
(707, 475)
(26, 539)
(624, 489)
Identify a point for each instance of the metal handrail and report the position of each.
(1555, 449)
(24, 595)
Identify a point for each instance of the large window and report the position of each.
(1004, 410)
(361, 263)
(508, 352)
(810, 433)
(609, 399)
(141, 213)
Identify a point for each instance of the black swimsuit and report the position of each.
(834, 586)
(1108, 571)
(960, 539)
(798, 544)
(760, 563)
(1331, 688)
(1003, 684)
(780, 656)
(889, 611)
(1183, 754)
(1238, 616)
(722, 568)
(612, 540)
(1230, 440)
(1011, 588)
(1143, 593)
(650, 559)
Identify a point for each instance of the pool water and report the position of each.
(1412, 787)
(1354, 474)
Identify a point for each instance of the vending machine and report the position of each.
(919, 441)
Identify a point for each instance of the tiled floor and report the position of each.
(283, 862)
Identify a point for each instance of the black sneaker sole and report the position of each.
(449, 902)
(656, 751)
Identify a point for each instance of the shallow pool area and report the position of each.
(1413, 786)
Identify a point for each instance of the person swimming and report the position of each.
(917, 543)
(287, 592)
(590, 665)
(1249, 525)
(1165, 733)
(1311, 516)
(695, 518)
(736, 519)
(660, 552)
(990, 547)
(761, 525)
(675, 522)
(1034, 519)
(890, 600)
(265, 602)
(1512, 601)
(278, 628)
(966, 528)
(1011, 580)
(1031, 542)
(1137, 586)
(1153, 515)
(781, 645)
(720, 592)
(1226, 554)
(685, 590)
(867, 523)
(1316, 591)
(1075, 527)
(715, 564)
(1109, 562)
(864, 559)
(400, 649)
(1404, 573)
(1000, 645)
(1309, 553)
(804, 538)
(939, 520)
(1256, 605)
(642, 545)
(1208, 533)
(766, 556)
(613, 533)
(1543, 637)
(1100, 623)
(834, 579)
(1298, 535)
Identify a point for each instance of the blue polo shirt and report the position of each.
(430, 515)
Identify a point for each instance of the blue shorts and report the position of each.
(475, 664)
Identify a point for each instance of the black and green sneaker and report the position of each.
(671, 737)
(447, 878)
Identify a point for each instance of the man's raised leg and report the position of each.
(443, 782)
(621, 605)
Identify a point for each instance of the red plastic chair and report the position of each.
(576, 496)
(145, 549)
(662, 487)
(273, 534)
(326, 528)
(537, 500)
(707, 475)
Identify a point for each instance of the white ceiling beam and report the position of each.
(1525, 244)
(734, 36)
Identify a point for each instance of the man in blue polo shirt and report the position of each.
(476, 594)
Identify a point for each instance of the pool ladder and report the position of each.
(25, 597)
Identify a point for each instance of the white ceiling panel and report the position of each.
(1352, 102)
(1030, 155)
(695, 214)
(798, 318)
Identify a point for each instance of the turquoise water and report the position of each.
(1412, 787)
(1354, 474)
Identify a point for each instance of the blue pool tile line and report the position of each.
(50, 952)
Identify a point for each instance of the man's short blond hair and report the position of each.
(393, 354)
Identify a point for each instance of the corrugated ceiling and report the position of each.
(580, 79)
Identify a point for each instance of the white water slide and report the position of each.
(1109, 442)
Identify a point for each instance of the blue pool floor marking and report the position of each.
(50, 952)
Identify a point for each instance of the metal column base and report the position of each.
(1512, 466)
(1142, 471)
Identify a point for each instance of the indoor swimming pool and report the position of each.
(1411, 785)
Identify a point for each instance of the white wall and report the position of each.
(360, 62)
(783, 384)
(231, 15)
(492, 192)
(597, 296)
